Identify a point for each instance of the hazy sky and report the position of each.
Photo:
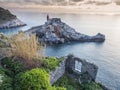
(38, 3)
(46, 2)
(61, 5)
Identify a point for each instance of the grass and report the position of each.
(26, 46)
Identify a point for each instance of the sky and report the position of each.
(48, 2)
(69, 6)
(85, 4)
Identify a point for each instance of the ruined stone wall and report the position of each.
(90, 68)
(58, 72)
(68, 66)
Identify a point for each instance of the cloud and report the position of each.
(47, 2)
(34, 1)
(43, 2)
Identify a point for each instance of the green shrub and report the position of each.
(15, 78)
(36, 79)
(2, 71)
(67, 82)
(12, 67)
(91, 86)
(70, 84)
(57, 88)
(51, 63)
(60, 88)
(17, 83)
(6, 83)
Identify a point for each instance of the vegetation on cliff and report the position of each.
(50, 63)
(26, 70)
(16, 77)
(69, 83)
(5, 15)
(26, 47)
(8, 20)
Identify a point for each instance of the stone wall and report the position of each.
(58, 72)
(90, 68)
(86, 67)
(68, 66)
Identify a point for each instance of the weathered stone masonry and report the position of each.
(56, 74)
(68, 66)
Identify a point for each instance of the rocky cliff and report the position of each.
(54, 31)
(8, 20)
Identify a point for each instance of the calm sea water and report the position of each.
(106, 55)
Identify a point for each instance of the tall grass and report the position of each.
(26, 46)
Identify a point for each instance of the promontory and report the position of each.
(54, 31)
(8, 20)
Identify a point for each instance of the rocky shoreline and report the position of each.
(8, 20)
(54, 31)
(12, 24)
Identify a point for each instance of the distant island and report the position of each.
(54, 31)
(8, 20)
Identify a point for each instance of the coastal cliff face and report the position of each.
(12, 23)
(54, 31)
(8, 20)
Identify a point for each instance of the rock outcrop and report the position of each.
(12, 24)
(8, 20)
(54, 31)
